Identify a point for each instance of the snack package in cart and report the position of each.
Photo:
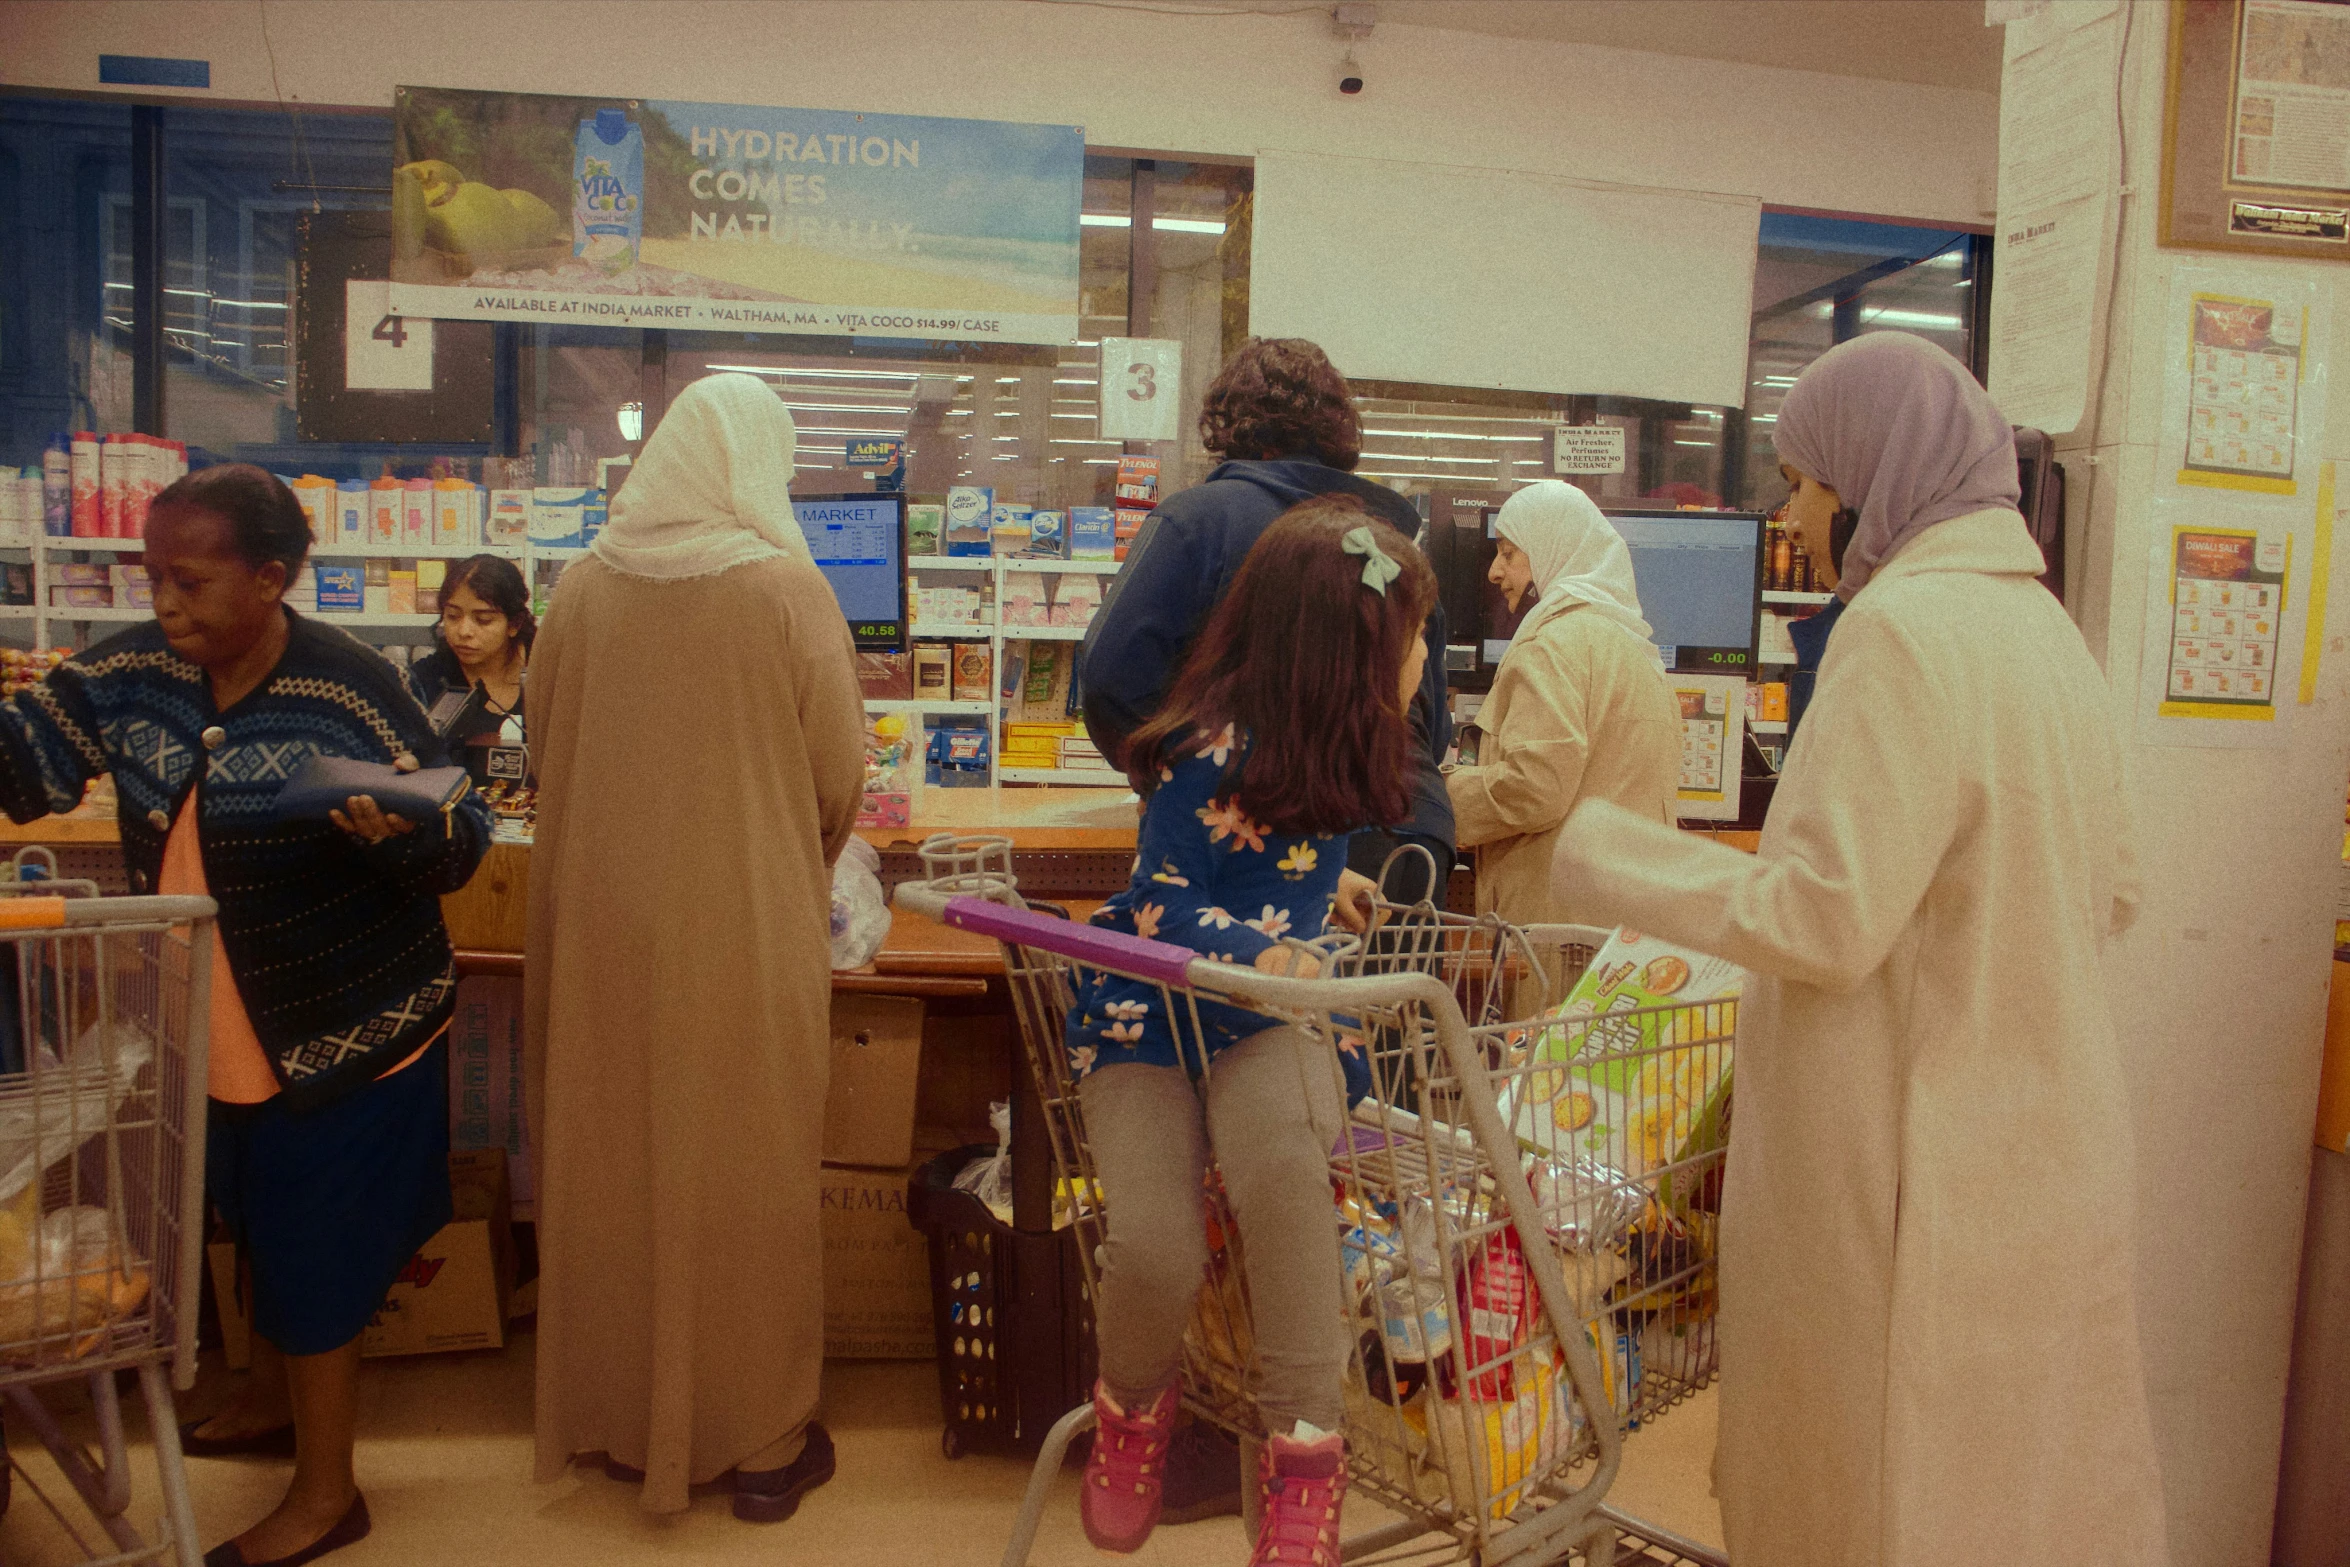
(1633, 1068)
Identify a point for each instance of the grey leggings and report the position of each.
(1268, 1112)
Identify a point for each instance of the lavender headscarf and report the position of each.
(1901, 432)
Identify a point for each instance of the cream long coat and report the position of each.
(1579, 710)
(700, 754)
(1929, 1346)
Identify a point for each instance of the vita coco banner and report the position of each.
(629, 212)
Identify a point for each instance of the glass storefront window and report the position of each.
(64, 336)
(237, 182)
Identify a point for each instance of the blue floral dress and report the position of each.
(1210, 879)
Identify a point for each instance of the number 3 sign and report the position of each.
(1142, 388)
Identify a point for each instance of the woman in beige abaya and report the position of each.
(1929, 1333)
(698, 736)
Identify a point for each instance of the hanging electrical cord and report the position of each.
(2123, 191)
(294, 114)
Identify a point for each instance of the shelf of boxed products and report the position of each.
(885, 704)
(1098, 777)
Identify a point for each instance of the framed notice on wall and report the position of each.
(2256, 127)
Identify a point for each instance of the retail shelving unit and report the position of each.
(36, 621)
(997, 636)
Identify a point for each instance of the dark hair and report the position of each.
(497, 582)
(265, 522)
(1305, 658)
(1277, 397)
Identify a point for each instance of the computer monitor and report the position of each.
(1699, 575)
(859, 542)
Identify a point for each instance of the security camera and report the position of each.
(1352, 22)
(1350, 75)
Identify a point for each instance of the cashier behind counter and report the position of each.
(471, 683)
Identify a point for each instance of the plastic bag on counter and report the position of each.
(860, 915)
(989, 1178)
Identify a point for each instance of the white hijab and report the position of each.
(712, 489)
(1577, 556)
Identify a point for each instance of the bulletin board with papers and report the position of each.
(2256, 127)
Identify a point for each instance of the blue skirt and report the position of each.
(328, 1206)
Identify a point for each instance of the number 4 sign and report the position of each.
(1142, 388)
(383, 352)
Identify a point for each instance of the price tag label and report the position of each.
(383, 352)
(1588, 448)
(1142, 388)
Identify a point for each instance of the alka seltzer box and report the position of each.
(342, 588)
(558, 516)
(351, 508)
(509, 520)
(1048, 535)
(1092, 533)
(926, 526)
(970, 520)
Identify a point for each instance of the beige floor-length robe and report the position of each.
(700, 755)
(1929, 1341)
(1579, 711)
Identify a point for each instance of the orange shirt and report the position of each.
(239, 1071)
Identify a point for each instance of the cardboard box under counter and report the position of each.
(452, 1295)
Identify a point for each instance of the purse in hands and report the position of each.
(325, 784)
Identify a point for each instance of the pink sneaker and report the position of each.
(1302, 1484)
(1123, 1473)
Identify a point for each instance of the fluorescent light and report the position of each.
(1415, 457)
(1449, 435)
(1076, 380)
(1065, 441)
(819, 370)
(844, 408)
(1708, 445)
(1918, 318)
(1120, 220)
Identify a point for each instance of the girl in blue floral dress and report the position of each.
(1284, 733)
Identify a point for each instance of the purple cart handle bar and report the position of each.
(1157, 961)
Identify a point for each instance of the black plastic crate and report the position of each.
(1015, 1331)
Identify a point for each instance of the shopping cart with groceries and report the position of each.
(1524, 1203)
(103, 1005)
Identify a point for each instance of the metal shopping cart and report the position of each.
(1525, 1205)
(103, 1006)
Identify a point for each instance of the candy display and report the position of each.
(20, 668)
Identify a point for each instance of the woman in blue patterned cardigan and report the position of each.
(333, 981)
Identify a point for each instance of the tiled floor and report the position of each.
(445, 1458)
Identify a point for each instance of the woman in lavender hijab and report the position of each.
(1929, 1342)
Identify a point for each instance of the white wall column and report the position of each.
(2220, 990)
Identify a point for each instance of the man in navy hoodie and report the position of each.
(1285, 420)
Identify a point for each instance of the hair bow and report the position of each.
(1379, 568)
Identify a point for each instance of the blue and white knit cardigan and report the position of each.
(337, 946)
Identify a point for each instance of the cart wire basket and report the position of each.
(103, 1006)
(1524, 1204)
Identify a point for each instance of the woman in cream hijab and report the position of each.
(699, 742)
(1929, 1338)
(1579, 709)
